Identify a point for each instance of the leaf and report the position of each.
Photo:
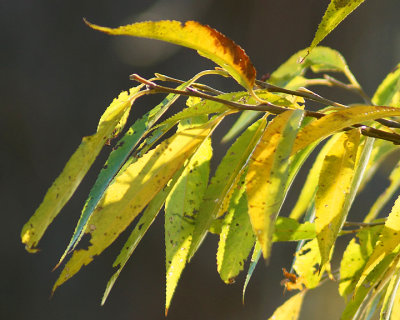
(132, 191)
(333, 122)
(267, 174)
(208, 42)
(396, 305)
(76, 168)
(180, 209)
(236, 238)
(332, 198)
(224, 181)
(386, 195)
(290, 310)
(253, 263)
(389, 299)
(310, 186)
(147, 218)
(287, 229)
(355, 257)
(336, 12)
(389, 87)
(307, 264)
(116, 159)
(321, 59)
(387, 244)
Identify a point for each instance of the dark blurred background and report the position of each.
(57, 77)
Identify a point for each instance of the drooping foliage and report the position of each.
(241, 201)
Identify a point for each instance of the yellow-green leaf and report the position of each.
(311, 184)
(267, 175)
(132, 191)
(307, 264)
(388, 89)
(333, 122)
(336, 12)
(290, 310)
(335, 180)
(180, 209)
(387, 244)
(207, 41)
(75, 169)
(390, 296)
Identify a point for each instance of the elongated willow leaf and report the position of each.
(321, 59)
(355, 257)
(267, 174)
(333, 122)
(222, 184)
(386, 195)
(336, 12)
(378, 277)
(75, 169)
(207, 41)
(290, 310)
(180, 209)
(389, 87)
(132, 191)
(307, 264)
(387, 244)
(137, 234)
(253, 263)
(311, 184)
(117, 158)
(335, 180)
(236, 238)
(395, 314)
(389, 299)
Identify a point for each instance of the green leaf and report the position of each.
(221, 187)
(307, 264)
(147, 218)
(290, 310)
(387, 244)
(389, 299)
(287, 229)
(321, 59)
(267, 175)
(310, 186)
(336, 12)
(75, 169)
(116, 159)
(132, 191)
(236, 238)
(208, 42)
(253, 263)
(180, 210)
(332, 201)
(389, 87)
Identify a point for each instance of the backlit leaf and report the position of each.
(387, 244)
(236, 238)
(287, 229)
(181, 208)
(389, 87)
(224, 181)
(267, 174)
(336, 12)
(290, 310)
(253, 263)
(76, 168)
(132, 191)
(137, 234)
(207, 41)
(333, 122)
(390, 296)
(332, 197)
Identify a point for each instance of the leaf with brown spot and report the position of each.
(208, 42)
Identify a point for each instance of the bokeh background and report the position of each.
(56, 78)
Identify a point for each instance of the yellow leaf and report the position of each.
(267, 174)
(75, 169)
(336, 121)
(331, 200)
(290, 310)
(388, 242)
(207, 41)
(132, 191)
(336, 12)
